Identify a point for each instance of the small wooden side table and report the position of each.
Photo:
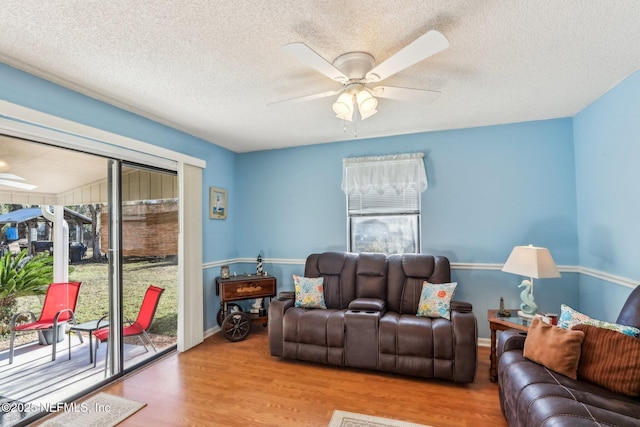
(497, 323)
(236, 325)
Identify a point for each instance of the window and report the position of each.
(383, 202)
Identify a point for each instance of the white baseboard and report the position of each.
(484, 342)
(211, 331)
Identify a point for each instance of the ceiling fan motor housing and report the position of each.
(355, 65)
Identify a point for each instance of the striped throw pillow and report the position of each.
(610, 359)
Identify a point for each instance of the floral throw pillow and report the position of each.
(309, 292)
(570, 318)
(435, 299)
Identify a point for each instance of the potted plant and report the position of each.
(21, 275)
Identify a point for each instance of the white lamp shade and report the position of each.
(367, 115)
(531, 261)
(343, 107)
(366, 103)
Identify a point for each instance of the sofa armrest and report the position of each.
(368, 304)
(277, 308)
(465, 333)
(461, 306)
(511, 339)
(284, 295)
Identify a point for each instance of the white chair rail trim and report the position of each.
(612, 278)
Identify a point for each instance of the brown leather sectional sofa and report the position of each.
(370, 321)
(532, 395)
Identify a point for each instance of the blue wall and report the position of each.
(607, 150)
(490, 188)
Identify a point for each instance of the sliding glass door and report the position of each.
(112, 226)
(149, 255)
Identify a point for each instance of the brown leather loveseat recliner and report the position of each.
(370, 321)
(534, 396)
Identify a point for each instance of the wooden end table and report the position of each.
(497, 323)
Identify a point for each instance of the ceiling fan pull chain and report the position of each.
(355, 127)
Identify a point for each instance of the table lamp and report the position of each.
(532, 262)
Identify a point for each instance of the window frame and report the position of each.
(382, 190)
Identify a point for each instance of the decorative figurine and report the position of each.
(528, 308)
(256, 306)
(259, 265)
(503, 312)
(224, 271)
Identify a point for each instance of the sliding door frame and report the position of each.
(115, 349)
(33, 125)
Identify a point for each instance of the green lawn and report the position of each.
(93, 301)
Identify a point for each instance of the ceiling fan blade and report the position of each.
(307, 55)
(20, 185)
(405, 94)
(307, 97)
(421, 48)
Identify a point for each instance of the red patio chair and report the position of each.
(137, 328)
(58, 309)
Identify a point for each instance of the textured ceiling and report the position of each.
(210, 68)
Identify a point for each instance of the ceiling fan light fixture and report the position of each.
(368, 114)
(366, 103)
(343, 107)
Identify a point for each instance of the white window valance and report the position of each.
(370, 175)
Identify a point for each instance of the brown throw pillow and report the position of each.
(610, 359)
(557, 349)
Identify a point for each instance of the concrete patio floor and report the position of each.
(34, 381)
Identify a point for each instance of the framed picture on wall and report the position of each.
(217, 203)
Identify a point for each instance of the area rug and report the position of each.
(10, 412)
(351, 419)
(101, 410)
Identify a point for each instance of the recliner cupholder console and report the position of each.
(361, 330)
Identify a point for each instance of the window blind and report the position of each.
(389, 202)
(384, 184)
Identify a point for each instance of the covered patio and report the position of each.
(36, 381)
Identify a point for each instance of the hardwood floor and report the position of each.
(220, 383)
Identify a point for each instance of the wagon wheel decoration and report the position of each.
(231, 308)
(236, 326)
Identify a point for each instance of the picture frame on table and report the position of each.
(217, 203)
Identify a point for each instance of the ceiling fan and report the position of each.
(356, 71)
